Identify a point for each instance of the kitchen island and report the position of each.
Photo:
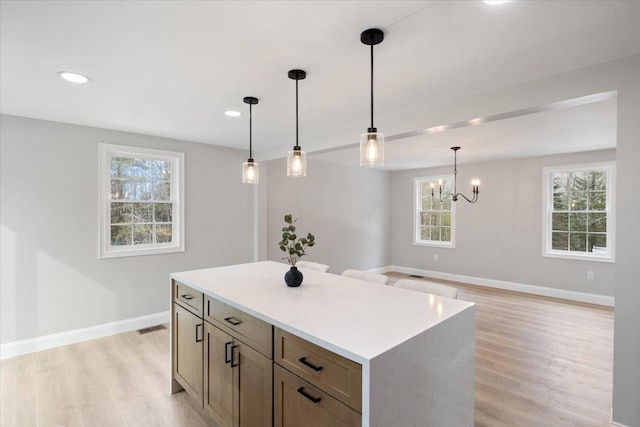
(335, 351)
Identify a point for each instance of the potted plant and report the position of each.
(294, 248)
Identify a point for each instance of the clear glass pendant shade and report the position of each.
(250, 172)
(296, 163)
(372, 149)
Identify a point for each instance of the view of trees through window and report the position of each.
(435, 224)
(579, 215)
(140, 202)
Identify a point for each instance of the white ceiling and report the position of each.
(172, 68)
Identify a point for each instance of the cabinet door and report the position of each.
(187, 347)
(218, 375)
(253, 388)
(298, 403)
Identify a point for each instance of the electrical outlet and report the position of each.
(435, 257)
(590, 275)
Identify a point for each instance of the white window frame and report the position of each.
(547, 209)
(107, 151)
(417, 207)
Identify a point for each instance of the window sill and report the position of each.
(447, 245)
(577, 257)
(120, 253)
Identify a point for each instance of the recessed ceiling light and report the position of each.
(232, 113)
(74, 77)
(494, 2)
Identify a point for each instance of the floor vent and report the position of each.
(151, 329)
(416, 276)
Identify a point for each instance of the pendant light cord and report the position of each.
(250, 133)
(297, 113)
(372, 86)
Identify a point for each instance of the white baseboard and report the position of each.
(380, 270)
(509, 286)
(615, 424)
(18, 348)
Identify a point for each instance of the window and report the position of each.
(141, 201)
(579, 211)
(434, 219)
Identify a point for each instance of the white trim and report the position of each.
(106, 151)
(380, 270)
(547, 205)
(46, 342)
(615, 424)
(509, 286)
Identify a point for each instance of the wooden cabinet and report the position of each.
(298, 403)
(237, 381)
(188, 334)
(334, 374)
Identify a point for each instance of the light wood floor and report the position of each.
(539, 362)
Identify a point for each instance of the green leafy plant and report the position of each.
(293, 246)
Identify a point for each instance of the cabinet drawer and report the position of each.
(187, 297)
(334, 374)
(248, 329)
(298, 403)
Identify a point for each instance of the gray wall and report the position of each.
(52, 279)
(499, 237)
(346, 208)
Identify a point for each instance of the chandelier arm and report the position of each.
(473, 200)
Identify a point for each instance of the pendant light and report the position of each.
(297, 159)
(250, 168)
(372, 141)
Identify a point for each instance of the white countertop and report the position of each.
(354, 318)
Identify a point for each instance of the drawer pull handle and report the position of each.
(226, 352)
(303, 360)
(308, 396)
(186, 296)
(233, 321)
(197, 326)
(233, 357)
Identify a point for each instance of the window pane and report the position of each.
(435, 234)
(120, 167)
(141, 169)
(446, 204)
(578, 200)
(142, 234)
(434, 218)
(426, 203)
(597, 243)
(597, 201)
(446, 219)
(560, 182)
(578, 222)
(164, 233)
(142, 212)
(141, 190)
(161, 190)
(425, 233)
(598, 222)
(560, 221)
(161, 170)
(578, 181)
(578, 242)
(560, 241)
(120, 235)
(597, 180)
(120, 189)
(560, 201)
(120, 213)
(446, 234)
(163, 212)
